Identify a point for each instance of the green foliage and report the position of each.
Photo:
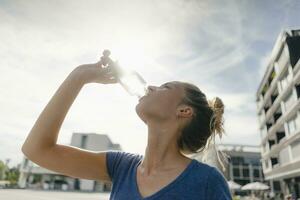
(2, 169)
(9, 174)
(12, 175)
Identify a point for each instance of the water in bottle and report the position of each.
(131, 81)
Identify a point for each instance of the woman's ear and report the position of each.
(184, 111)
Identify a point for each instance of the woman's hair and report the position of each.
(206, 123)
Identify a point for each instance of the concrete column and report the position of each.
(272, 186)
(22, 180)
(251, 173)
(285, 189)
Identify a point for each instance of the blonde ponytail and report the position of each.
(217, 121)
(217, 128)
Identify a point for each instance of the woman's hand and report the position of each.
(95, 73)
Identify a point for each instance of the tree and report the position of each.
(9, 174)
(2, 170)
(12, 175)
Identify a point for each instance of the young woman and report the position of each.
(180, 120)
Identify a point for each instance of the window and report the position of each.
(274, 161)
(277, 186)
(246, 172)
(252, 160)
(295, 146)
(236, 172)
(292, 126)
(297, 86)
(280, 135)
(256, 173)
(83, 141)
(237, 160)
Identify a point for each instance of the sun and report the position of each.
(130, 55)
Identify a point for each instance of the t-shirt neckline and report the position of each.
(165, 188)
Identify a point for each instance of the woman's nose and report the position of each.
(151, 88)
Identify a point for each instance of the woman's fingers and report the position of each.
(110, 80)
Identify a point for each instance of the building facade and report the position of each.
(244, 164)
(278, 113)
(213, 157)
(34, 176)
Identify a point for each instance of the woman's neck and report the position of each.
(162, 152)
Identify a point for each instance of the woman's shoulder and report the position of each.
(203, 167)
(120, 162)
(216, 184)
(209, 171)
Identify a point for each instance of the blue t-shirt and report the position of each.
(197, 181)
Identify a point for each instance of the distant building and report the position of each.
(34, 176)
(279, 117)
(209, 156)
(242, 162)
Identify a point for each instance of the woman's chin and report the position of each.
(139, 109)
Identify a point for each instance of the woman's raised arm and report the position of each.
(41, 144)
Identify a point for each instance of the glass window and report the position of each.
(252, 160)
(292, 126)
(297, 121)
(236, 172)
(83, 141)
(256, 173)
(277, 186)
(295, 146)
(246, 172)
(284, 156)
(237, 160)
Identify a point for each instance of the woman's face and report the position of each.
(160, 102)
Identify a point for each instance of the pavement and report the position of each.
(26, 194)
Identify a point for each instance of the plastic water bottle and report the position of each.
(131, 81)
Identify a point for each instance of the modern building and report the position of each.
(244, 164)
(34, 176)
(278, 112)
(213, 157)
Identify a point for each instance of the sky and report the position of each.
(222, 47)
